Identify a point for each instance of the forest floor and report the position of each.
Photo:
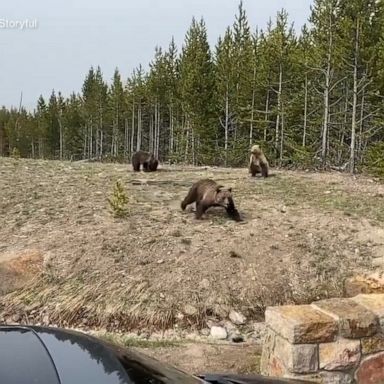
(65, 260)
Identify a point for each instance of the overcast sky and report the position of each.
(73, 35)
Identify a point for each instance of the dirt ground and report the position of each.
(303, 233)
(209, 358)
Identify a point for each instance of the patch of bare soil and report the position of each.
(196, 358)
(18, 268)
(303, 234)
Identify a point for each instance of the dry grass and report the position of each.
(299, 241)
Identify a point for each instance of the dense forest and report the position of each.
(311, 99)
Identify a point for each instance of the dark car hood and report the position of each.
(224, 378)
(48, 355)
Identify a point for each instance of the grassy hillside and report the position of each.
(303, 234)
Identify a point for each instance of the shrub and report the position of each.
(374, 161)
(119, 200)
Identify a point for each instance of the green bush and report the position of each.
(119, 200)
(302, 158)
(374, 161)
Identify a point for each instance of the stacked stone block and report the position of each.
(329, 341)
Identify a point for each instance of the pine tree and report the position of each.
(197, 91)
(225, 79)
(117, 107)
(325, 19)
(243, 58)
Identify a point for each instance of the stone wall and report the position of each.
(329, 341)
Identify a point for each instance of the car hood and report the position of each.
(247, 379)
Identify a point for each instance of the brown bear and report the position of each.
(207, 193)
(258, 163)
(146, 159)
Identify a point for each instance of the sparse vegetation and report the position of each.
(140, 272)
(15, 154)
(119, 201)
(129, 341)
(375, 160)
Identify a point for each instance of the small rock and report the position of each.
(205, 332)
(190, 310)
(16, 318)
(218, 333)
(144, 336)
(259, 330)
(371, 369)
(221, 310)
(161, 261)
(373, 283)
(339, 355)
(192, 336)
(230, 327)
(46, 319)
(237, 318)
(283, 209)
(204, 284)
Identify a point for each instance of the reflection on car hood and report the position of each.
(52, 356)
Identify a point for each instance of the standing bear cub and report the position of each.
(146, 159)
(258, 163)
(207, 193)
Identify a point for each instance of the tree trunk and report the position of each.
(281, 136)
(90, 154)
(278, 108)
(85, 142)
(157, 137)
(344, 124)
(126, 137)
(226, 126)
(305, 110)
(193, 147)
(138, 142)
(61, 138)
(360, 147)
(266, 115)
(354, 103)
(133, 128)
(151, 129)
(101, 133)
(252, 107)
(171, 130)
(324, 144)
(186, 141)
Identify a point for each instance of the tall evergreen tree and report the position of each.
(197, 91)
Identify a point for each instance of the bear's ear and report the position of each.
(230, 189)
(218, 188)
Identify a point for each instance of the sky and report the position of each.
(51, 44)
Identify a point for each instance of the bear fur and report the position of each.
(258, 163)
(145, 159)
(207, 193)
